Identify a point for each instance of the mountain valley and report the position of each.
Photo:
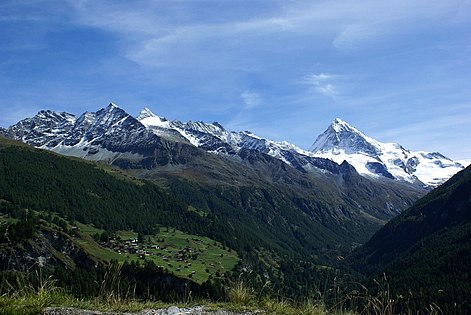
(279, 214)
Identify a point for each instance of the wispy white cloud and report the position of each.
(327, 89)
(153, 39)
(251, 99)
(353, 35)
(322, 83)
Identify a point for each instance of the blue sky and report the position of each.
(398, 70)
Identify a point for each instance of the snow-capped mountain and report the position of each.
(211, 137)
(214, 138)
(46, 127)
(342, 142)
(105, 135)
(112, 135)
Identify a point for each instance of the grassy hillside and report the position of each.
(184, 255)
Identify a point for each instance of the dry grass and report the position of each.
(32, 300)
(241, 294)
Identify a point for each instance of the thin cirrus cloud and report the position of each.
(322, 83)
(251, 99)
(352, 36)
(151, 39)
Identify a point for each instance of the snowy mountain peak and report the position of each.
(55, 116)
(149, 119)
(215, 123)
(110, 115)
(145, 113)
(112, 106)
(342, 136)
(342, 142)
(342, 128)
(338, 125)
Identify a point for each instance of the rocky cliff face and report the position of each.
(48, 249)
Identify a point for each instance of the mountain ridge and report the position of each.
(339, 142)
(398, 163)
(319, 187)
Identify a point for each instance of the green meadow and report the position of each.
(185, 255)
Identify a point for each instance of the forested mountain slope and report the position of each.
(78, 190)
(44, 196)
(426, 250)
